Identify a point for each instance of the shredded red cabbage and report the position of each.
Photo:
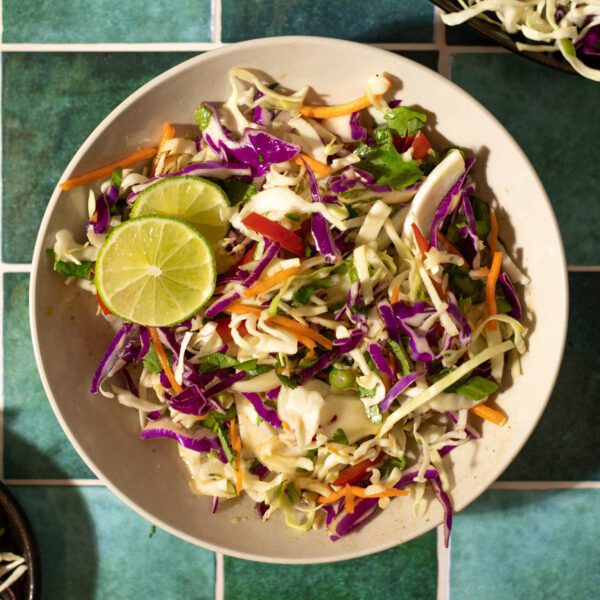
(267, 414)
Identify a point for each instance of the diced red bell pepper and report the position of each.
(102, 307)
(276, 232)
(420, 146)
(356, 472)
(225, 332)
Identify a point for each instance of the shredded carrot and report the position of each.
(167, 134)
(328, 112)
(490, 289)
(361, 493)
(349, 508)
(242, 309)
(493, 238)
(489, 414)
(266, 284)
(319, 168)
(334, 450)
(333, 497)
(453, 249)
(236, 444)
(285, 425)
(306, 341)
(395, 294)
(310, 354)
(162, 357)
(106, 171)
(422, 243)
(294, 326)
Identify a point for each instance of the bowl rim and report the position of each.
(37, 264)
(19, 520)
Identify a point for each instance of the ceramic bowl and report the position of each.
(20, 535)
(69, 340)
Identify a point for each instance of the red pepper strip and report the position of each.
(356, 472)
(420, 146)
(421, 241)
(276, 232)
(248, 257)
(225, 332)
(102, 307)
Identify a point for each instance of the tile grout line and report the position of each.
(439, 36)
(219, 576)
(216, 34)
(1, 271)
(216, 11)
(55, 482)
(443, 565)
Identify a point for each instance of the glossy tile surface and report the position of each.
(93, 546)
(527, 545)
(529, 100)
(375, 21)
(93, 21)
(44, 125)
(370, 577)
(35, 446)
(565, 446)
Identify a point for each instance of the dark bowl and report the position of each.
(497, 35)
(21, 538)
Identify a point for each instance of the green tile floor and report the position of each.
(533, 535)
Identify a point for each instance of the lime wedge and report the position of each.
(155, 271)
(193, 199)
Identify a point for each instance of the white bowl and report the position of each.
(69, 341)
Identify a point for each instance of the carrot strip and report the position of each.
(453, 249)
(490, 289)
(422, 243)
(162, 357)
(106, 171)
(242, 309)
(167, 134)
(493, 237)
(236, 444)
(361, 493)
(319, 168)
(306, 341)
(395, 294)
(303, 330)
(334, 450)
(328, 112)
(349, 508)
(285, 425)
(489, 414)
(481, 272)
(266, 284)
(333, 497)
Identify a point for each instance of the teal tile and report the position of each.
(566, 443)
(44, 125)
(407, 571)
(527, 545)
(93, 546)
(377, 21)
(429, 59)
(465, 35)
(551, 115)
(94, 21)
(35, 446)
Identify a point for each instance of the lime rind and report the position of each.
(194, 199)
(179, 289)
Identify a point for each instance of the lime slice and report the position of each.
(193, 199)
(156, 271)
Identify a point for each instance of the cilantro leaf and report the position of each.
(151, 362)
(388, 466)
(289, 382)
(292, 492)
(340, 437)
(303, 294)
(404, 121)
(117, 177)
(388, 166)
(401, 356)
(215, 361)
(238, 191)
(214, 418)
(225, 445)
(71, 269)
